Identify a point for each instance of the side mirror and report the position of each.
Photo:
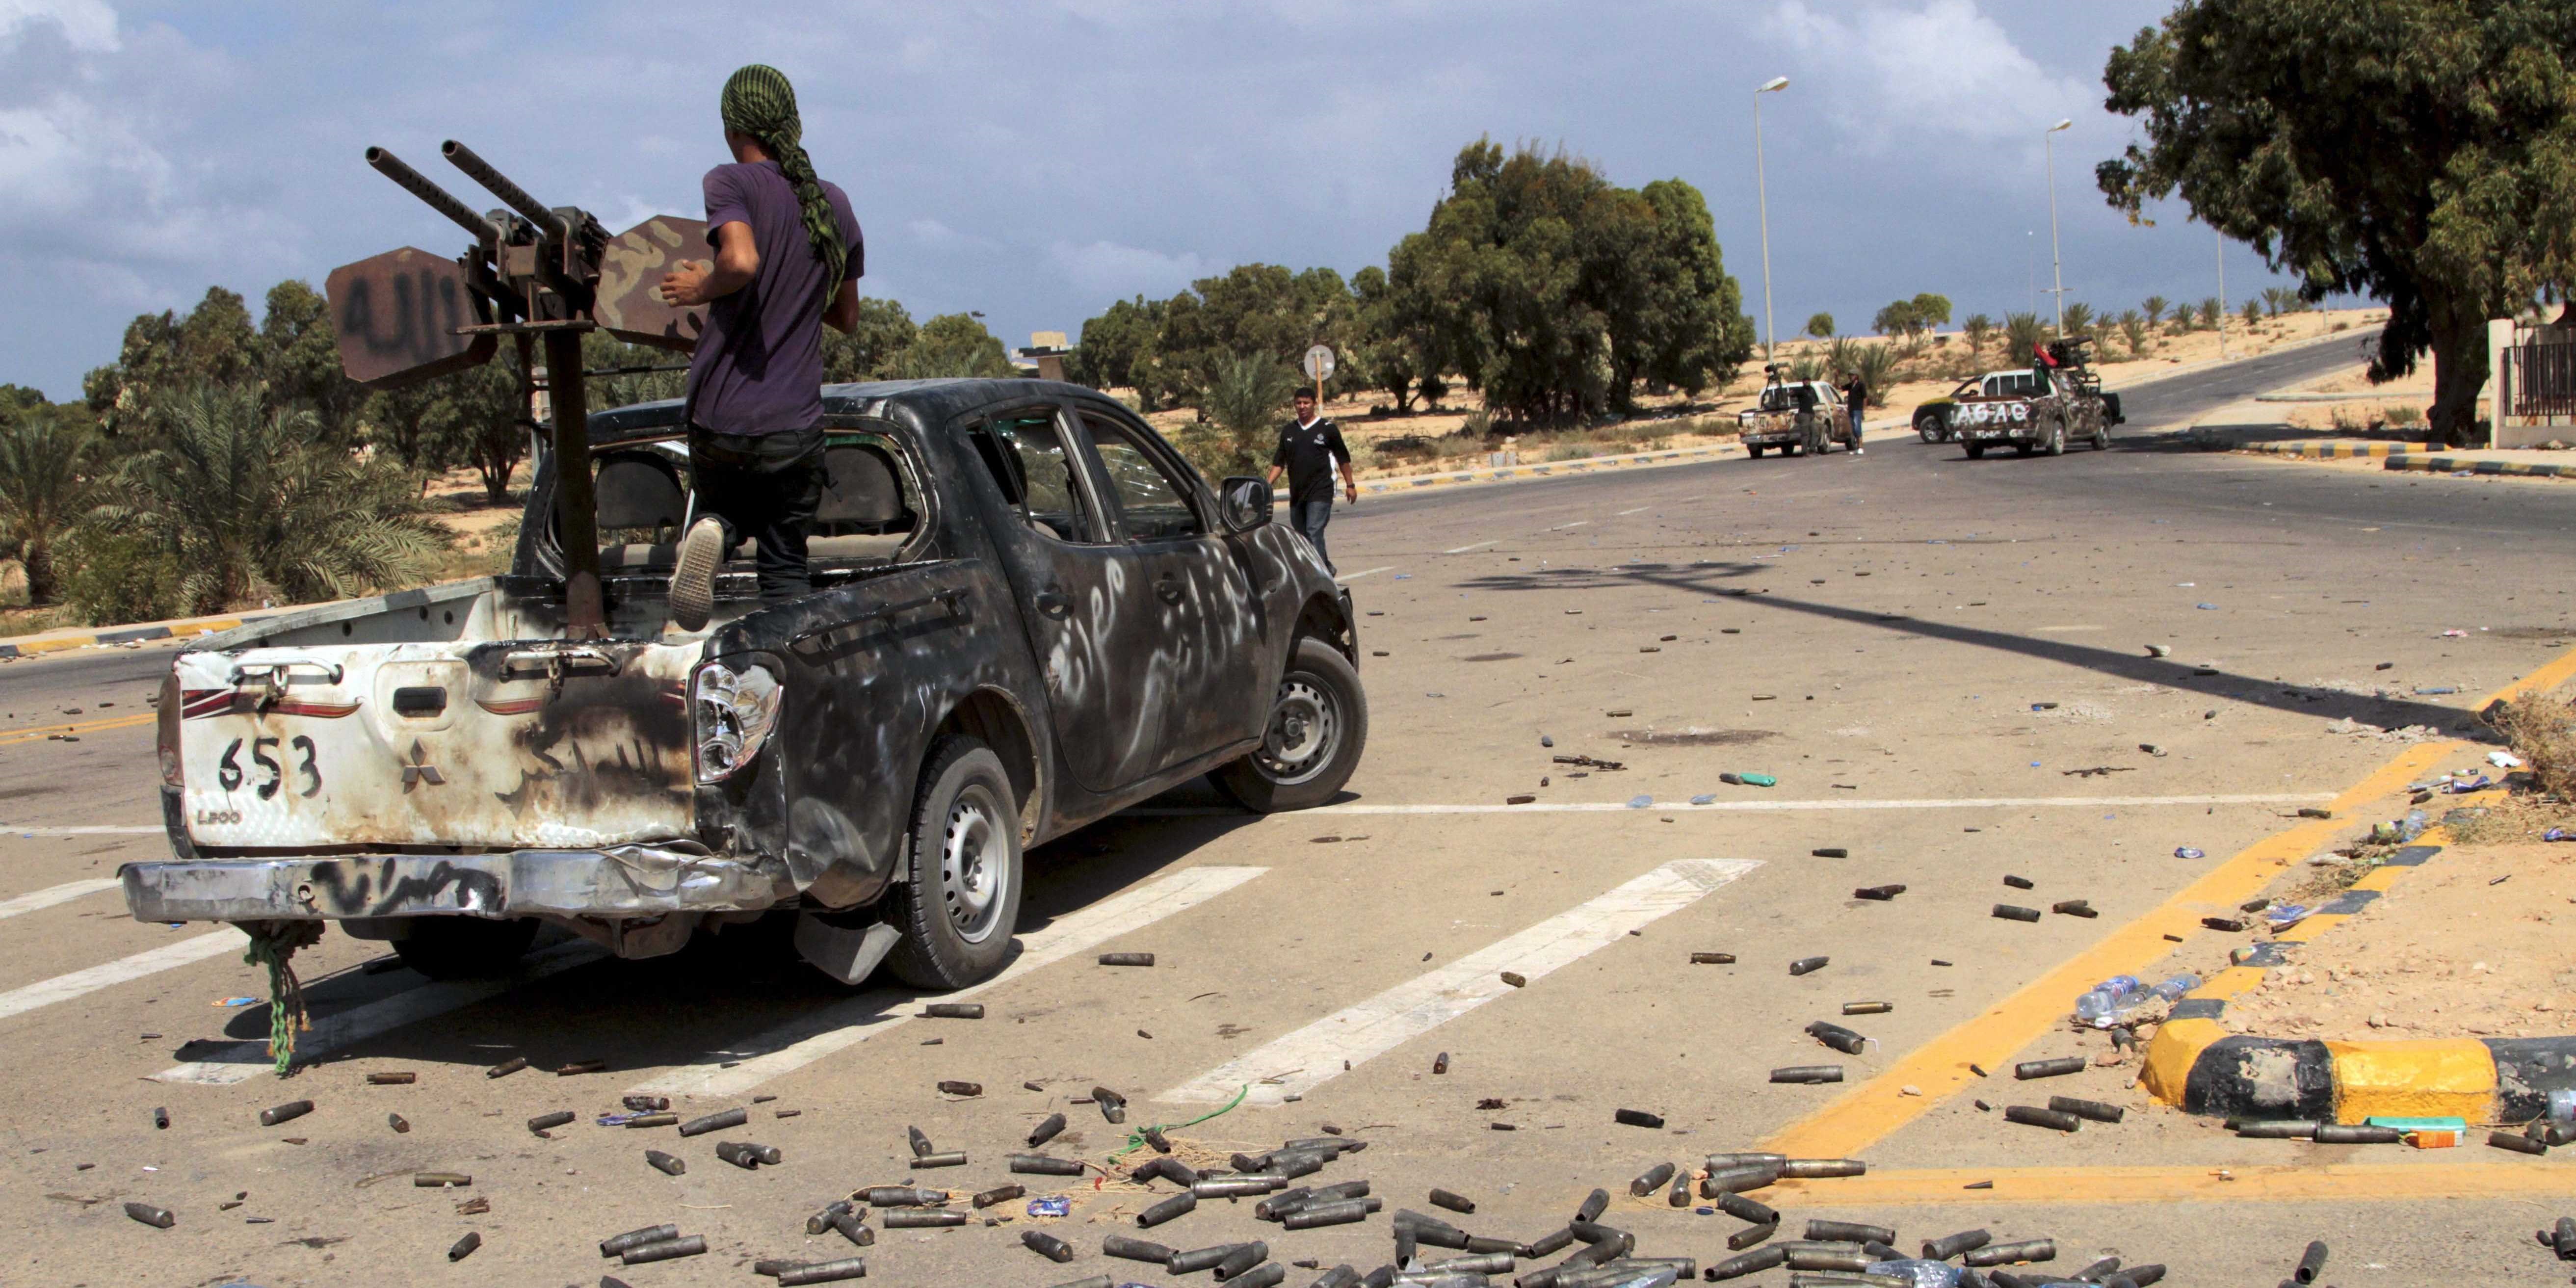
(1244, 504)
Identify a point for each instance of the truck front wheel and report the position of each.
(1311, 745)
(1753, 450)
(1976, 450)
(1929, 429)
(465, 947)
(2057, 438)
(961, 897)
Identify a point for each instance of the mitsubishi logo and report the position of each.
(418, 770)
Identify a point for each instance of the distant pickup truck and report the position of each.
(1794, 416)
(2035, 409)
(1029, 612)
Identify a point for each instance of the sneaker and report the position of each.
(1860, 451)
(693, 579)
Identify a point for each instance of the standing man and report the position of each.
(787, 249)
(1309, 450)
(1856, 397)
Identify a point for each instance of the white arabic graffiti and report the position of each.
(1993, 413)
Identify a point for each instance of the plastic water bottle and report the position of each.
(2562, 1105)
(1924, 1274)
(2107, 999)
(2414, 825)
(2172, 990)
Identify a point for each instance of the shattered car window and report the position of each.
(1149, 500)
(1049, 498)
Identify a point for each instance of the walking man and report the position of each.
(1856, 398)
(1309, 450)
(787, 250)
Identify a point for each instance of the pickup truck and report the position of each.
(2034, 409)
(1794, 416)
(1029, 612)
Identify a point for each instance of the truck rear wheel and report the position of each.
(1753, 450)
(2057, 438)
(465, 947)
(961, 898)
(2021, 449)
(1310, 747)
(1976, 450)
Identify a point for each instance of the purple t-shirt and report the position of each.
(758, 368)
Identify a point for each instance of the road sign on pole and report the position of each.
(1318, 364)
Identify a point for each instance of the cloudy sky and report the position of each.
(1036, 160)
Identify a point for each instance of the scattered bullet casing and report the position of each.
(1742, 1158)
(556, 1119)
(2034, 1116)
(1154, 1136)
(507, 1067)
(1177, 1205)
(617, 1243)
(1824, 1256)
(2007, 1254)
(999, 1194)
(1637, 1118)
(1126, 959)
(1551, 1243)
(1046, 1131)
(715, 1122)
(1047, 1245)
(2056, 1068)
(2311, 1263)
(1807, 1169)
(439, 1180)
(2074, 908)
(1264, 1277)
(954, 1010)
(463, 1248)
(1515, 979)
(846, 1224)
(1712, 959)
(1242, 1259)
(2228, 924)
(1750, 1263)
(1198, 1259)
(287, 1112)
(1837, 1037)
(1679, 1195)
(665, 1163)
(2020, 883)
(1041, 1165)
(1647, 1183)
(1236, 1187)
(1338, 1277)
(951, 1158)
(912, 1218)
(901, 1196)
(1120, 1246)
(1750, 1235)
(1736, 1180)
(1849, 1232)
(954, 1087)
(693, 1246)
(920, 1144)
(1488, 1264)
(157, 1217)
(2357, 1134)
(1112, 1105)
(645, 1104)
(1878, 893)
(2275, 1129)
(2517, 1143)
(746, 1155)
(1594, 1204)
(1868, 1008)
(2093, 1109)
(1462, 1204)
(580, 1066)
(161, 1119)
(1342, 1212)
(2014, 912)
(392, 1079)
(1744, 1209)
(1831, 852)
(1808, 965)
(825, 1272)
(1951, 1245)
(652, 1120)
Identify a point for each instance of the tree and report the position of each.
(1106, 354)
(2253, 312)
(1394, 350)
(476, 417)
(2077, 319)
(2153, 307)
(45, 487)
(2275, 299)
(871, 346)
(953, 344)
(2209, 310)
(2023, 334)
(299, 358)
(1253, 308)
(164, 353)
(2421, 152)
(2133, 328)
(1243, 403)
(1979, 329)
(1821, 326)
(239, 499)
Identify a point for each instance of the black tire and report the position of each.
(1753, 450)
(1789, 449)
(2102, 439)
(1976, 451)
(1928, 428)
(2021, 449)
(465, 947)
(1311, 743)
(960, 899)
(2057, 438)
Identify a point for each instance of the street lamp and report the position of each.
(2056, 266)
(1762, 189)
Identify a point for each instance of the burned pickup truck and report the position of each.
(1794, 416)
(2038, 409)
(1029, 612)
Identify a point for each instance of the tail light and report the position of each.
(166, 723)
(732, 711)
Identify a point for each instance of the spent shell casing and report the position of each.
(901, 1196)
(1290, 1166)
(1267, 1276)
(957, 1087)
(1647, 1182)
(2015, 912)
(1679, 1194)
(1337, 1277)
(1126, 959)
(2516, 1142)
(556, 1119)
(1460, 1203)
(2357, 1134)
(920, 1143)
(921, 1218)
(1750, 1235)
(287, 1112)
(715, 1122)
(1491, 1263)
(2276, 1128)
(1096, 1281)
(1951, 1245)
(999, 1194)
(1042, 1165)
(1837, 1037)
(1154, 1136)
(1120, 1246)
(947, 1158)
(1552, 1242)
(1280, 1204)
(1046, 1131)
(1593, 1205)
(507, 1067)
(161, 1119)
(617, 1243)
(1809, 965)
(1480, 1244)
(1878, 893)
(640, 1121)
(1712, 959)
(580, 1067)
(694, 1245)
(665, 1163)
(463, 1248)
(1868, 1008)
(1825, 1256)
(1849, 1232)
(1831, 852)
(439, 1180)
(2143, 1276)
(1749, 1263)
(1237, 1187)
(645, 1104)
(156, 1217)
(1744, 1209)
(820, 1221)
(392, 1078)
(1177, 1205)
(1242, 1259)
(2074, 908)
(2098, 1271)
(2057, 1068)
(954, 1010)
(2021, 883)
(1808, 1169)
(1637, 1118)
(847, 1225)
(2034, 1116)
(824, 1272)
(1742, 1158)
(1344, 1212)
(2093, 1109)
(1198, 1259)
(1434, 1231)
(2013, 1254)
(1735, 1180)
(1046, 1245)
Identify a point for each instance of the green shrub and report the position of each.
(118, 577)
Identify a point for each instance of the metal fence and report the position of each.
(2540, 379)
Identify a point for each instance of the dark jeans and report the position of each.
(765, 487)
(1310, 518)
(1856, 414)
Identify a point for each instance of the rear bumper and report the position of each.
(620, 883)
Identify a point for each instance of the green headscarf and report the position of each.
(759, 102)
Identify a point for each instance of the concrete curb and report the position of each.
(1508, 473)
(2195, 1064)
(2456, 465)
(45, 642)
(2324, 450)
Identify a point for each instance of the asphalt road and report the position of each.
(1941, 661)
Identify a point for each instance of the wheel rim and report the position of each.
(974, 867)
(1305, 730)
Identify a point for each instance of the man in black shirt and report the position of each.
(1309, 450)
(1856, 401)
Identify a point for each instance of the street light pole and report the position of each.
(1762, 188)
(2222, 289)
(2056, 264)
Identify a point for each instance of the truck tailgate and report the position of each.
(531, 743)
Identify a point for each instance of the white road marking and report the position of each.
(1478, 546)
(241, 1061)
(1762, 806)
(1370, 573)
(52, 895)
(842, 1025)
(1563, 526)
(1297, 1063)
(2060, 629)
(1639, 510)
(80, 983)
(154, 830)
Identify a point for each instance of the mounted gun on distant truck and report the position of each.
(1794, 416)
(2058, 399)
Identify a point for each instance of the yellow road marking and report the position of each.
(2393, 1181)
(86, 726)
(1939, 1068)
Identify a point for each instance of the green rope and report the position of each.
(273, 947)
(1136, 1138)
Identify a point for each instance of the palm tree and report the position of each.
(2154, 307)
(2023, 333)
(44, 489)
(1244, 398)
(2209, 310)
(2079, 319)
(2133, 328)
(241, 499)
(2276, 299)
(1978, 328)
